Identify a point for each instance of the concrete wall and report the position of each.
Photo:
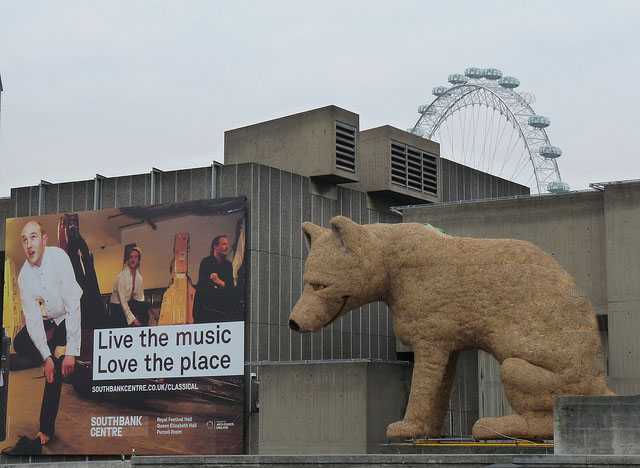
(622, 268)
(597, 425)
(375, 162)
(337, 407)
(115, 192)
(459, 182)
(594, 236)
(303, 143)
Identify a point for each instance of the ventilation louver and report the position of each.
(413, 169)
(346, 147)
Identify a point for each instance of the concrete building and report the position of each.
(306, 167)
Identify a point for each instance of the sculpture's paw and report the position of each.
(487, 428)
(406, 430)
(529, 426)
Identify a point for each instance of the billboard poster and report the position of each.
(127, 330)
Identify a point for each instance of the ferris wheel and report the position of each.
(483, 122)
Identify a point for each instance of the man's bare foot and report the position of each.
(43, 438)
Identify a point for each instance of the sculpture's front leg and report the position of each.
(433, 374)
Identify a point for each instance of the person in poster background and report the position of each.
(215, 283)
(51, 305)
(127, 300)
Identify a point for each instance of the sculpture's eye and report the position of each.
(317, 286)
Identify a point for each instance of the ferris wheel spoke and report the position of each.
(509, 150)
(475, 132)
(490, 134)
(481, 159)
(486, 133)
(497, 145)
(472, 133)
(452, 155)
(463, 131)
(468, 115)
(523, 163)
(462, 149)
(531, 178)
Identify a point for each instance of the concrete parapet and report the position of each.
(59, 462)
(330, 407)
(597, 425)
(354, 461)
(452, 448)
(384, 461)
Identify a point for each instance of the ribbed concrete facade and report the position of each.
(459, 182)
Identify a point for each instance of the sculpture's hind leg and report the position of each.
(531, 391)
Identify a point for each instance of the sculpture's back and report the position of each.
(447, 294)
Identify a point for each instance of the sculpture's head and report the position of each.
(344, 270)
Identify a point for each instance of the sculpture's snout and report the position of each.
(293, 325)
(303, 318)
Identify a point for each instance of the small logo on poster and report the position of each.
(223, 425)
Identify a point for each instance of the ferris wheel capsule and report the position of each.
(509, 82)
(475, 73)
(439, 90)
(550, 152)
(426, 108)
(416, 131)
(457, 79)
(492, 74)
(539, 121)
(557, 186)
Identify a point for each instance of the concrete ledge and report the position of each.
(597, 425)
(477, 449)
(383, 461)
(68, 464)
(355, 461)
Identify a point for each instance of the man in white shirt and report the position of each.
(127, 300)
(51, 305)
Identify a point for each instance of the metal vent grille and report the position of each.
(346, 147)
(413, 169)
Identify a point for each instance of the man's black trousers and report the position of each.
(117, 318)
(56, 336)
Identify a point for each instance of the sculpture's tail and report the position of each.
(609, 393)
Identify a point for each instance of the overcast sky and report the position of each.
(119, 87)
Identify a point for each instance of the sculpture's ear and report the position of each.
(311, 233)
(346, 233)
